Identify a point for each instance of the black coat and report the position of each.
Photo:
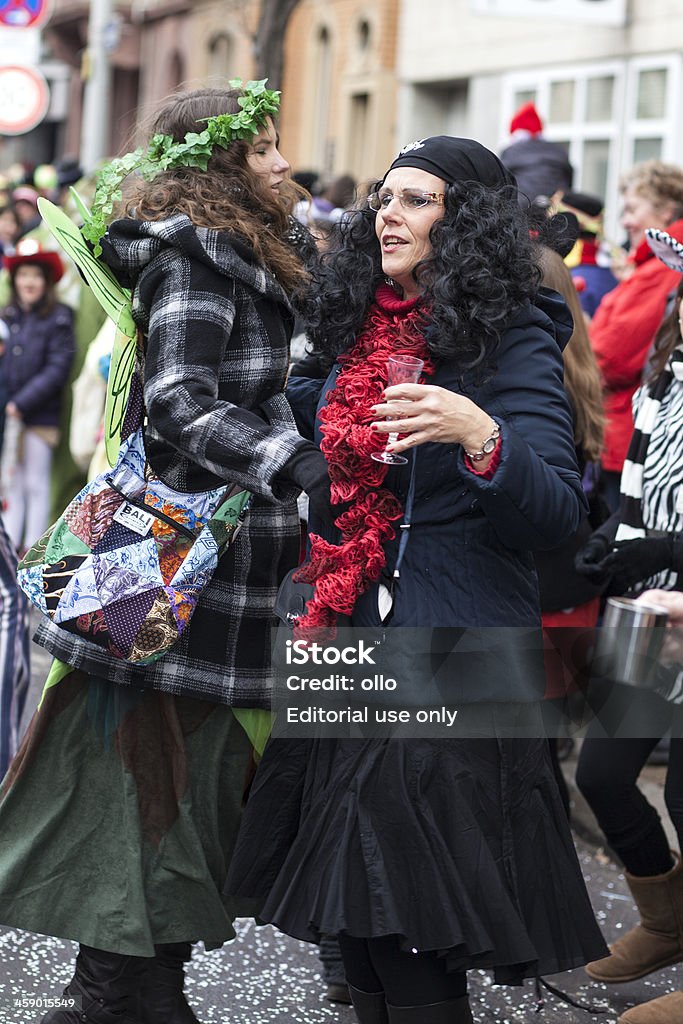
(469, 562)
(217, 352)
(540, 167)
(38, 357)
(560, 585)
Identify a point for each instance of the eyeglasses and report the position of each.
(407, 197)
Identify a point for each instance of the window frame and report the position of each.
(621, 132)
(666, 127)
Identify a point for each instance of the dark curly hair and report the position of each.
(483, 267)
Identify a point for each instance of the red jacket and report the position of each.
(622, 332)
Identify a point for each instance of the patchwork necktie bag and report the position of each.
(126, 563)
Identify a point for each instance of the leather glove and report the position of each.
(307, 469)
(633, 561)
(591, 558)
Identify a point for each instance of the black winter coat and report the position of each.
(469, 562)
(37, 361)
(217, 352)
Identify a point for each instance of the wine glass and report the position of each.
(400, 370)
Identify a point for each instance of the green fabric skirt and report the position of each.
(119, 816)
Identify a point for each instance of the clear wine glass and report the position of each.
(400, 370)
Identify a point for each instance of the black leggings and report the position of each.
(607, 775)
(407, 979)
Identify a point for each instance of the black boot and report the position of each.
(162, 1000)
(103, 987)
(370, 1007)
(453, 1011)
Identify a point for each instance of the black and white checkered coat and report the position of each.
(218, 328)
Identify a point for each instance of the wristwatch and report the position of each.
(487, 446)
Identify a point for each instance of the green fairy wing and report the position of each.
(115, 301)
(118, 388)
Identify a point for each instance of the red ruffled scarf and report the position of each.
(342, 572)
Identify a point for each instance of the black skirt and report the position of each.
(457, 846)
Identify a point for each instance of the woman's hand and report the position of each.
(424, 412)
(631, 561)
(670, 599)
(12, 410)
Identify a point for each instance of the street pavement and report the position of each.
(264, 977)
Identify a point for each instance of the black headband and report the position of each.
(455, 160)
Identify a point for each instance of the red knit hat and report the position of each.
(29, 250)
(528, 119)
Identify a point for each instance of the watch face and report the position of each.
(489, 445)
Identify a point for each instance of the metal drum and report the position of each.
(630, 642)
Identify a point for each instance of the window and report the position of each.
(523, 96)
(360, 109)
(651, 124)
(364, 35)
(561, 101)
(595, 171)
(647, 149)
(651, 94)
(600, 98)
(322, 154)
(221, 56)
(175, 70)
(612, 115)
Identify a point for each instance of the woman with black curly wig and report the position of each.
(430, 856)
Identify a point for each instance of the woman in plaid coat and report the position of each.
(130, 781)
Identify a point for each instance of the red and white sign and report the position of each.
(24, 13)
(24, 99)
(19, 46)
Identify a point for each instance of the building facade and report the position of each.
(610, 92)
(339, 90)
(339, 113)
(363, 77)
(339, 87)
(65, 39)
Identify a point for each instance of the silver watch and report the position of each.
(487, 446)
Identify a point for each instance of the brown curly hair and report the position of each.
(581, 374)
(659, 182)
(667, 338)
(228, 196)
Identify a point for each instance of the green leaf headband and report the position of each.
(163, 153)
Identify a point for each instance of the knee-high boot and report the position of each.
(658, 940)
(666, 1009)
(452, 1011)
(162, 1000)
(104, 987)
(370, 1007)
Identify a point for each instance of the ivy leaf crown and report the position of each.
(163, 153)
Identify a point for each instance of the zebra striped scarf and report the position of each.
(631, 523)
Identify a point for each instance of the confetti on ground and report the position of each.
(264, 977)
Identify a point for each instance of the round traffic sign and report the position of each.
(24, 13)
(24, 99)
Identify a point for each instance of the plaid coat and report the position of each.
(218, 329)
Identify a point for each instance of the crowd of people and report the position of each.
(486, 492)
(41, 300)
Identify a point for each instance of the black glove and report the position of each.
(590, 559)
(633, 561)
(307, 469)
